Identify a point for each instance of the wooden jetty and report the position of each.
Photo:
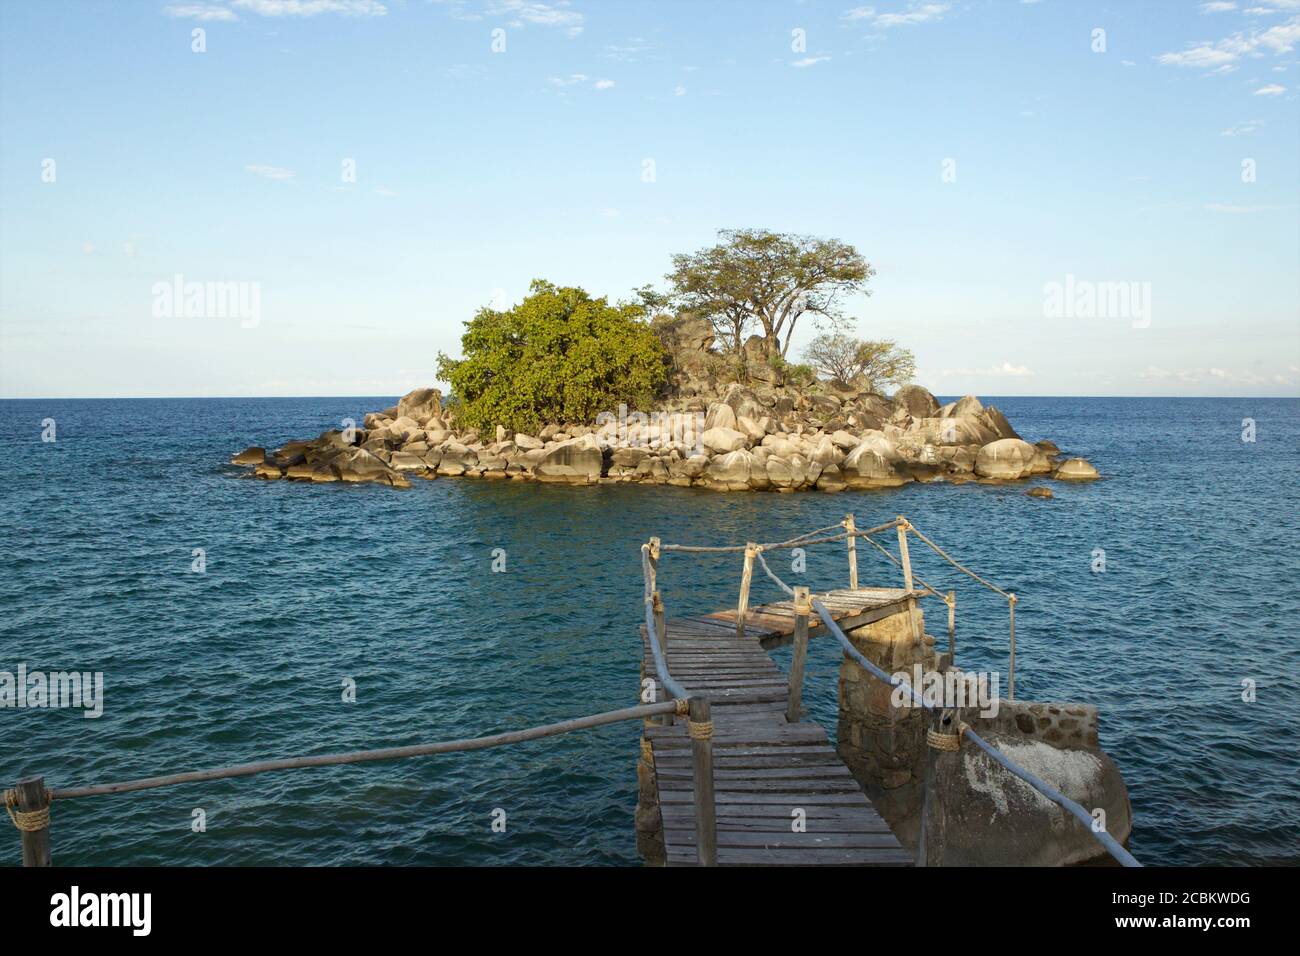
(771, 767)
(745, 780)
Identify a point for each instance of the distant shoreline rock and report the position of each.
(828, 437)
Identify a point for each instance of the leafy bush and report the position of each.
(557, 356)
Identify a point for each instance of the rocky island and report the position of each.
(825, 437)
(544, 389)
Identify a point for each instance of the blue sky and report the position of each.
(975, 152)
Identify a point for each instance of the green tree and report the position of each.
(557, 356)
(754, 277)
(876, 364)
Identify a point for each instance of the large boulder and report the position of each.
(722, 440)
(995, 420)
(986, 816)
(252, 455)
(732, 472)
(871, 465)
(721, 415)
(917, 401)
(356, 465)
(686, 338)
(420, 405)
(1076, 469)
(1006, 458)
(577, 461)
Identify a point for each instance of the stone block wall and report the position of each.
(883, 745)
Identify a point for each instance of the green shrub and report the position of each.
(558, 356)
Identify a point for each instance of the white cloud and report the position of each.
(270, 172)
(679, 91)
(384, 191)
(1208, 54)
(604, 84)
(860, 13)
(311, 8)
(916, 13)
(570, 80)
(1241, 129)
(809, 61)
(1218, 6)
(525, 12)
(199, 11)
(1273, 89)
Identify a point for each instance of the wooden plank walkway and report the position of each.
(764, 766)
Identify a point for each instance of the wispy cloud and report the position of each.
(1273, 89)
(809, 61)
(528, 12)
(1218, 6)
(270, 172)
(1241, 129)
(1276, 40)
(199, 11)
(604, 84)
(311, 8)
(917, 11)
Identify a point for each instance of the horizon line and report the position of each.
(219, 398)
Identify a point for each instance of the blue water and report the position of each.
(307, 585)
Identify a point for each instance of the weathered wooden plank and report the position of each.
(776, 839)
(753, 856)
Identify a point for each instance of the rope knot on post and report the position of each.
(702, 730)
(683, 706)
(27, 821)
(948, 742)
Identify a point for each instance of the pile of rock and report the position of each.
(829, 437)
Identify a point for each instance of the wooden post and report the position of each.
(906, 560)
(802, 608)
(1011, 674)
(853, 551)
(706, 827)
(36, 843)
(654, 564)
(951, 601)
(660, 637)
(745, 577)
(943, 779)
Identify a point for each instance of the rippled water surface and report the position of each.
(308, 585)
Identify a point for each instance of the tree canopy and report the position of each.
(877, 364)
(770, 280)
(557, 356)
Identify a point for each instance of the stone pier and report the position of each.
(979, 814)
(883, 745)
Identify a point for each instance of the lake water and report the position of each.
(308, 585)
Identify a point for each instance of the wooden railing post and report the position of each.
(654, 564)
(700, 725)
(905, 559)
(32, 798)
(747, 575)
(853, 551)
(1011, 674)
(660, 637)
(802, 608)
(951, 601)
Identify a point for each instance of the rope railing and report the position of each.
(1111, 845)
(28, 803)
